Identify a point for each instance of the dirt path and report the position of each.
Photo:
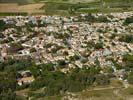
(106, 88)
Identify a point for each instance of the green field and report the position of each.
(18, 1)
(69, 8)
(67, 1)
(14, 1)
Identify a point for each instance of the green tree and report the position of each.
(2, 25)
(102, 79)
(128, 20)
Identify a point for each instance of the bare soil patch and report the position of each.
(14, 7)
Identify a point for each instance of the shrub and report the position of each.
(14, 47)
(2, 25)
(126, 38)
(128, 20)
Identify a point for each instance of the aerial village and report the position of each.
(77, 41)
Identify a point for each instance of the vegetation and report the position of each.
(126, 38)
(98, 45)
(54, 81)
(13, 13)
(102, 19)
(74, 7)
(57, 82)
(128, 62)
(128, 20)
(14, 47)
(130, 77)
(128, 65)
(7, 81)
(2, 25)
(50, 80)
(14, 1)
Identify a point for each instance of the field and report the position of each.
(18, 1)
(65, 7)
(88, 7)
(67, 1)
(107, 94)
(76, 7)
(93, 93)
(12, 8)
(30, 8)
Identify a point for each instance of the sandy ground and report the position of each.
(13, 7)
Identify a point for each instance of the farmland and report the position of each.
(14, 8)
(65, 7)
(70, 8)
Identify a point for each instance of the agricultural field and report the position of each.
(14, 8)
(17, 1)
(65, 7)
(67, 1)
(87, 7)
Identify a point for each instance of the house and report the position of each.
(24, 77)
(4, 51)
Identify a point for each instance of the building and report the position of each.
(4, 52)
(24, 77)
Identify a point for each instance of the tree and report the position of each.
(32, 50)
(8, 83)
(8, 95)
(14, 47)
(47, 66)
(102, 19)
(74, 58)
(97, 62)
(128, 20)
(62, 62)
(102, 79)
(90, 18)
(126, 38)
(2, 35)
(2, 25)
(98, 45)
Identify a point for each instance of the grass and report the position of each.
(64, 8)
(108, 94)
(93, 93)
(37, 95)
(89, 7)
(116, 83)
(117, 1)
(13, 14)
(99, 95)
(58, 97)
(14, 1)
(127, 91)
(67, 1)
